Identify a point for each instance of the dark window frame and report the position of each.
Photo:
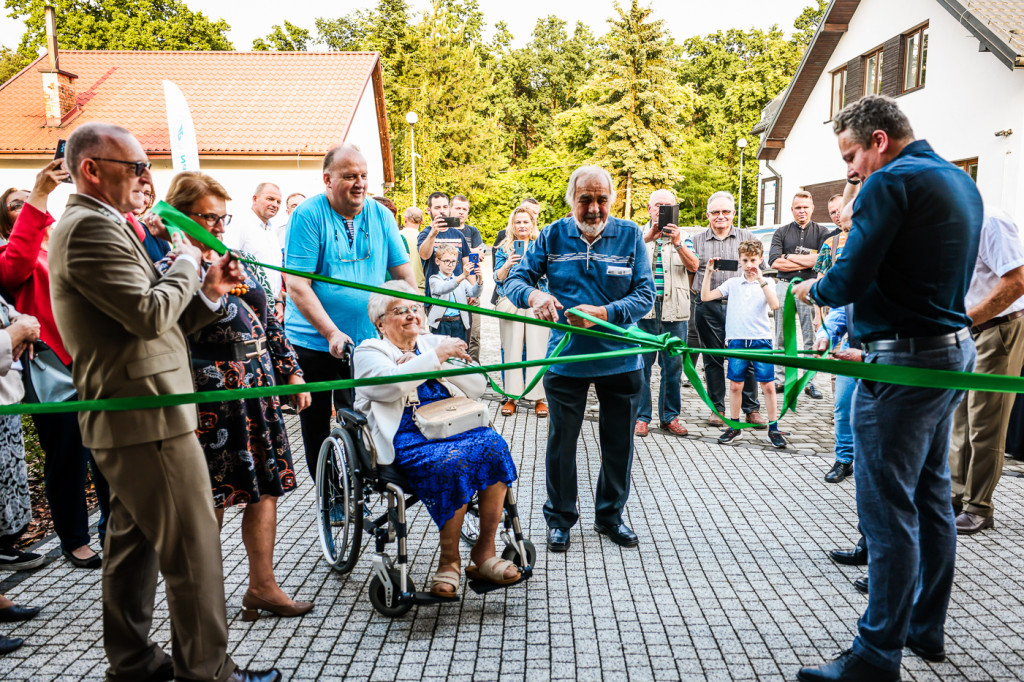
(922, 62)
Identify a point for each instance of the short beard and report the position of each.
(590, 230)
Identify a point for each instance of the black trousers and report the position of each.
(64, 477)
(315, 420)
(710, 324)
(619, 396)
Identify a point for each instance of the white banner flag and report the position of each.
(184, 148)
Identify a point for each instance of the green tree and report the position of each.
(635, 125)
(291, 38)
(807, 23)
(11, 62)
(119, 25)
(346, 33)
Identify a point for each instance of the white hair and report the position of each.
(378, 305)
(588, 172)
(722, 195)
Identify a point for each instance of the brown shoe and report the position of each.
(676, 427)
(715, 420)
(756, 418)
(641, 429)
(509, 408)
(969, 524)
(540, 408)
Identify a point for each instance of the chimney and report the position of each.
(59, 94)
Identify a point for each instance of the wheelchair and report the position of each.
(355, 495)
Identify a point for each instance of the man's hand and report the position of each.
(183, 247)
(674, 233)
(801, 292)
(222, 276)
(544, 306)
(849, 354)
(600, 312)
(300, 400)
(437, 225)
(337, 341)
(820, 344)
(473, 300)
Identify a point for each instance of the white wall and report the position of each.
(968, 96)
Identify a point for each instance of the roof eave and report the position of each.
(989, 40)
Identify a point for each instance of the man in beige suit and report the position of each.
(125, 326)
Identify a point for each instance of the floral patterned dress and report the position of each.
(245, 441)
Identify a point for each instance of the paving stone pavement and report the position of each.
(730, 582)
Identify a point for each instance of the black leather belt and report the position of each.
(996, 321)
(239, 351)
(916, 344)
(659, 297)
(451, 318)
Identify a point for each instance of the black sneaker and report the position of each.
(777, 439)
(729, 435)
(20, 561)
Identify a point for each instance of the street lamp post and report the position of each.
(411, 118)
(741, 143)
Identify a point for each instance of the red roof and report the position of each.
(249, 103)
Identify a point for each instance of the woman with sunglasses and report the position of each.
(25, 275)
(444, 473)
(245, 441)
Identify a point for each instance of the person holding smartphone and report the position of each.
(521, 232)
(672, 258)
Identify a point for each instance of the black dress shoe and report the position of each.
(849, 667)
(165, 673)
(838, 472)
(558, 539)
(9, 644)
(92, 562)
(272, 675)
(620, 534)
(15, 613)
(858, 556)
(812, 391)
(861, 583)
(931, 655)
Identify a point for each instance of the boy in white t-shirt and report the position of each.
(747, 326)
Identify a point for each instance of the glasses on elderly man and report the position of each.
(140, 166)
(212, 219)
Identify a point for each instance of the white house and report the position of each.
(259, 116)
(956, 67)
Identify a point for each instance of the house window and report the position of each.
(969, 166)
(916, 56)
(838, 92)
(769, 198)
(873, 72)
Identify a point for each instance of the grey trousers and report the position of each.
(805, 315)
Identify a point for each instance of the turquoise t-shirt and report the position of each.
(318, 242)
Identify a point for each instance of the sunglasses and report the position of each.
(140, 166)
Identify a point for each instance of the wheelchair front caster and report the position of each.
(511, 553)
(378, 595)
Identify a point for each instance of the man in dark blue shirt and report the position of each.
(906, 268)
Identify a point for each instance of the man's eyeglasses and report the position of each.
(211, 219)
(369, 248)
(140, 166)
(15, 205)
(717, 213)
(405, 310)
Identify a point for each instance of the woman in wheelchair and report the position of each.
(443, 473)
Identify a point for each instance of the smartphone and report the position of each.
(727, 265)
(474, 258)
(668, 215)
(59, 154)
(519, 247)
(452, 222)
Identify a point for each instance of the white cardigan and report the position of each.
(383, 404)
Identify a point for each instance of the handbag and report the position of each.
(47, 379)
(449, 417)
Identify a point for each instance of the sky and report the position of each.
(684, 18)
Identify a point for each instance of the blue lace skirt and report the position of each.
(446, 473)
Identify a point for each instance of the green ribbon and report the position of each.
(788, 357)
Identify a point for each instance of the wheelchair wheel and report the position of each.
(339, 491)
(512, 554)
(378, 597)
(471, 523)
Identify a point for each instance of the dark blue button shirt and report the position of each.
(911, 251)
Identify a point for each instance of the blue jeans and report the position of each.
(845, 387)
(669, 401)
(903, 493)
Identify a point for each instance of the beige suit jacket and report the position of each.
(123, 324)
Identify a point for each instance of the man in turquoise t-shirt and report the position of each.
(340, 235)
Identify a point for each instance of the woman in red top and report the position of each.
(25, 275)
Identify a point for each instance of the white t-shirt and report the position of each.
(261, 240)
(999, 251)
(746, 316)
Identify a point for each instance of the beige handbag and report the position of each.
(446, 418)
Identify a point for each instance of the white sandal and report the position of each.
(492, 571)
(446, 577)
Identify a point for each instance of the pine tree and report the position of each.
(635, 126)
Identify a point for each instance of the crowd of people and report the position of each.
(132, 311)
